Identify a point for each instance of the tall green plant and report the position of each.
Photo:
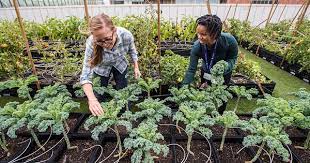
(148, 85)
(229, 119)
(194, 116)
(17, 116)
(54, 115)
(110, 119)
(267, 133)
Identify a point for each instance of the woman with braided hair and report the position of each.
(212, 46)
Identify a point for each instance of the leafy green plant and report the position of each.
(266, 133)
(172, 68)
(249, 68)
(55, 113)
(126, 94)
(51, 91)
(11, 39)
(303, 102)
(214, 95)
(28, 113)
(152, 110)
(13, 64)
(67, 66)
(229, 119)
(275, 38)
(5, 113)
(218, 91)
(16, 116)
(144, 141)
(110, 119)
(3, 143)
(186, 94)
(194, 116)
(21, 84)
(188, 26)
(277, 108)
(148, 85)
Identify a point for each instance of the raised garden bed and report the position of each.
(276, 60)
(241, 80)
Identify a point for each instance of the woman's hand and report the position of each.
(137, 73)
(204, 85)
(95, 107)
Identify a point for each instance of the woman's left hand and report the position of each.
(137, 73)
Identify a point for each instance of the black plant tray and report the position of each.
(59, 150)
(267, 87)
(181, 48)
(250, 152)
(37, 55)
(275, 59)
(182, 52)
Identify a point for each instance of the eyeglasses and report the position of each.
(106, 40)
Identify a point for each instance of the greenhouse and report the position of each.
(165, 81)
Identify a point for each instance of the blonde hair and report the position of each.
(98, 22)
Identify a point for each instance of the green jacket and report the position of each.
(227, 49)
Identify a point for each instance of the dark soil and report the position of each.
(229, 153)
(164, 129)
(303, 154)
(121, 129)
(13, 147)
(48, 146)
(294, 132)
(71, 123)
(218, 131)
(265, 157)
(198, 147)
(78, 155)
(244, 117)
(107, 149)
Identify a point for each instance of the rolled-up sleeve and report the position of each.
(87, 72)
(132, 48)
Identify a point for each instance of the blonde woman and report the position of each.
(105, 55)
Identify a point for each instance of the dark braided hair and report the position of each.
(212, 23)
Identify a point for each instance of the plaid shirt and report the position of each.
(114, 57)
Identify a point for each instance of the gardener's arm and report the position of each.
(232, 54)
(192, 68)
(85, 80)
